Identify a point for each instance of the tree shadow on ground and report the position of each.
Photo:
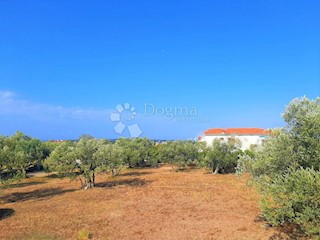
(36, 236)
(136, 182)
(24, 184)
(188, 168)
(38, 194)
(6, 212)
(57, 175)
(134, 174)
(288, 231)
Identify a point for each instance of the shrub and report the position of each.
(244, 163)
(222, 157)
(286, 168)
(84, 234)
(293, 197)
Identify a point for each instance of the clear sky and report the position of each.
(66, 65)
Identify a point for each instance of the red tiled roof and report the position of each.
(237, 131)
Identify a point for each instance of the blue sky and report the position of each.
(66, 65)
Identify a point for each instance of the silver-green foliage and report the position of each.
(137, 152)
(286, 168)
(18, 153)
(78, 159)
(293, 197)
(180, 154)
(222, 156)
(294, 146)
(86, 157)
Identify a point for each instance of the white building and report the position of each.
(247, 136)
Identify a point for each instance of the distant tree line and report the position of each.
(85, 158)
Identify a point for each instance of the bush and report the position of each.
(84, 234)
(286, 168)
(244, 163)
(293, 197)
(222, 157)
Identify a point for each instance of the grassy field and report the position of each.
(138, 204)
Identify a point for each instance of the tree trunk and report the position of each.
(215, 170)
(93, 178)
(38, 166)
(174, 168)
(116, 171)
(82, 184)
(23, 173)
(88, 185)
(89, 182)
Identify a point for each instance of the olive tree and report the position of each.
(4, 172)
(22, 152)
(112, 157)
(303, 127)
(179, 154)
(294, 146)
(293, 197)
(222, 156)
(286, 168)
(77, 159)
(137, 152)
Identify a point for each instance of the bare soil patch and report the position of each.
(138, 204)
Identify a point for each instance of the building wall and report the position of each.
(246, 140)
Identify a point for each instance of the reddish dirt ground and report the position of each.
(139, 204)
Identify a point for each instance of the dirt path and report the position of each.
(139, 204)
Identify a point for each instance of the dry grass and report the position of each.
(139, 204)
